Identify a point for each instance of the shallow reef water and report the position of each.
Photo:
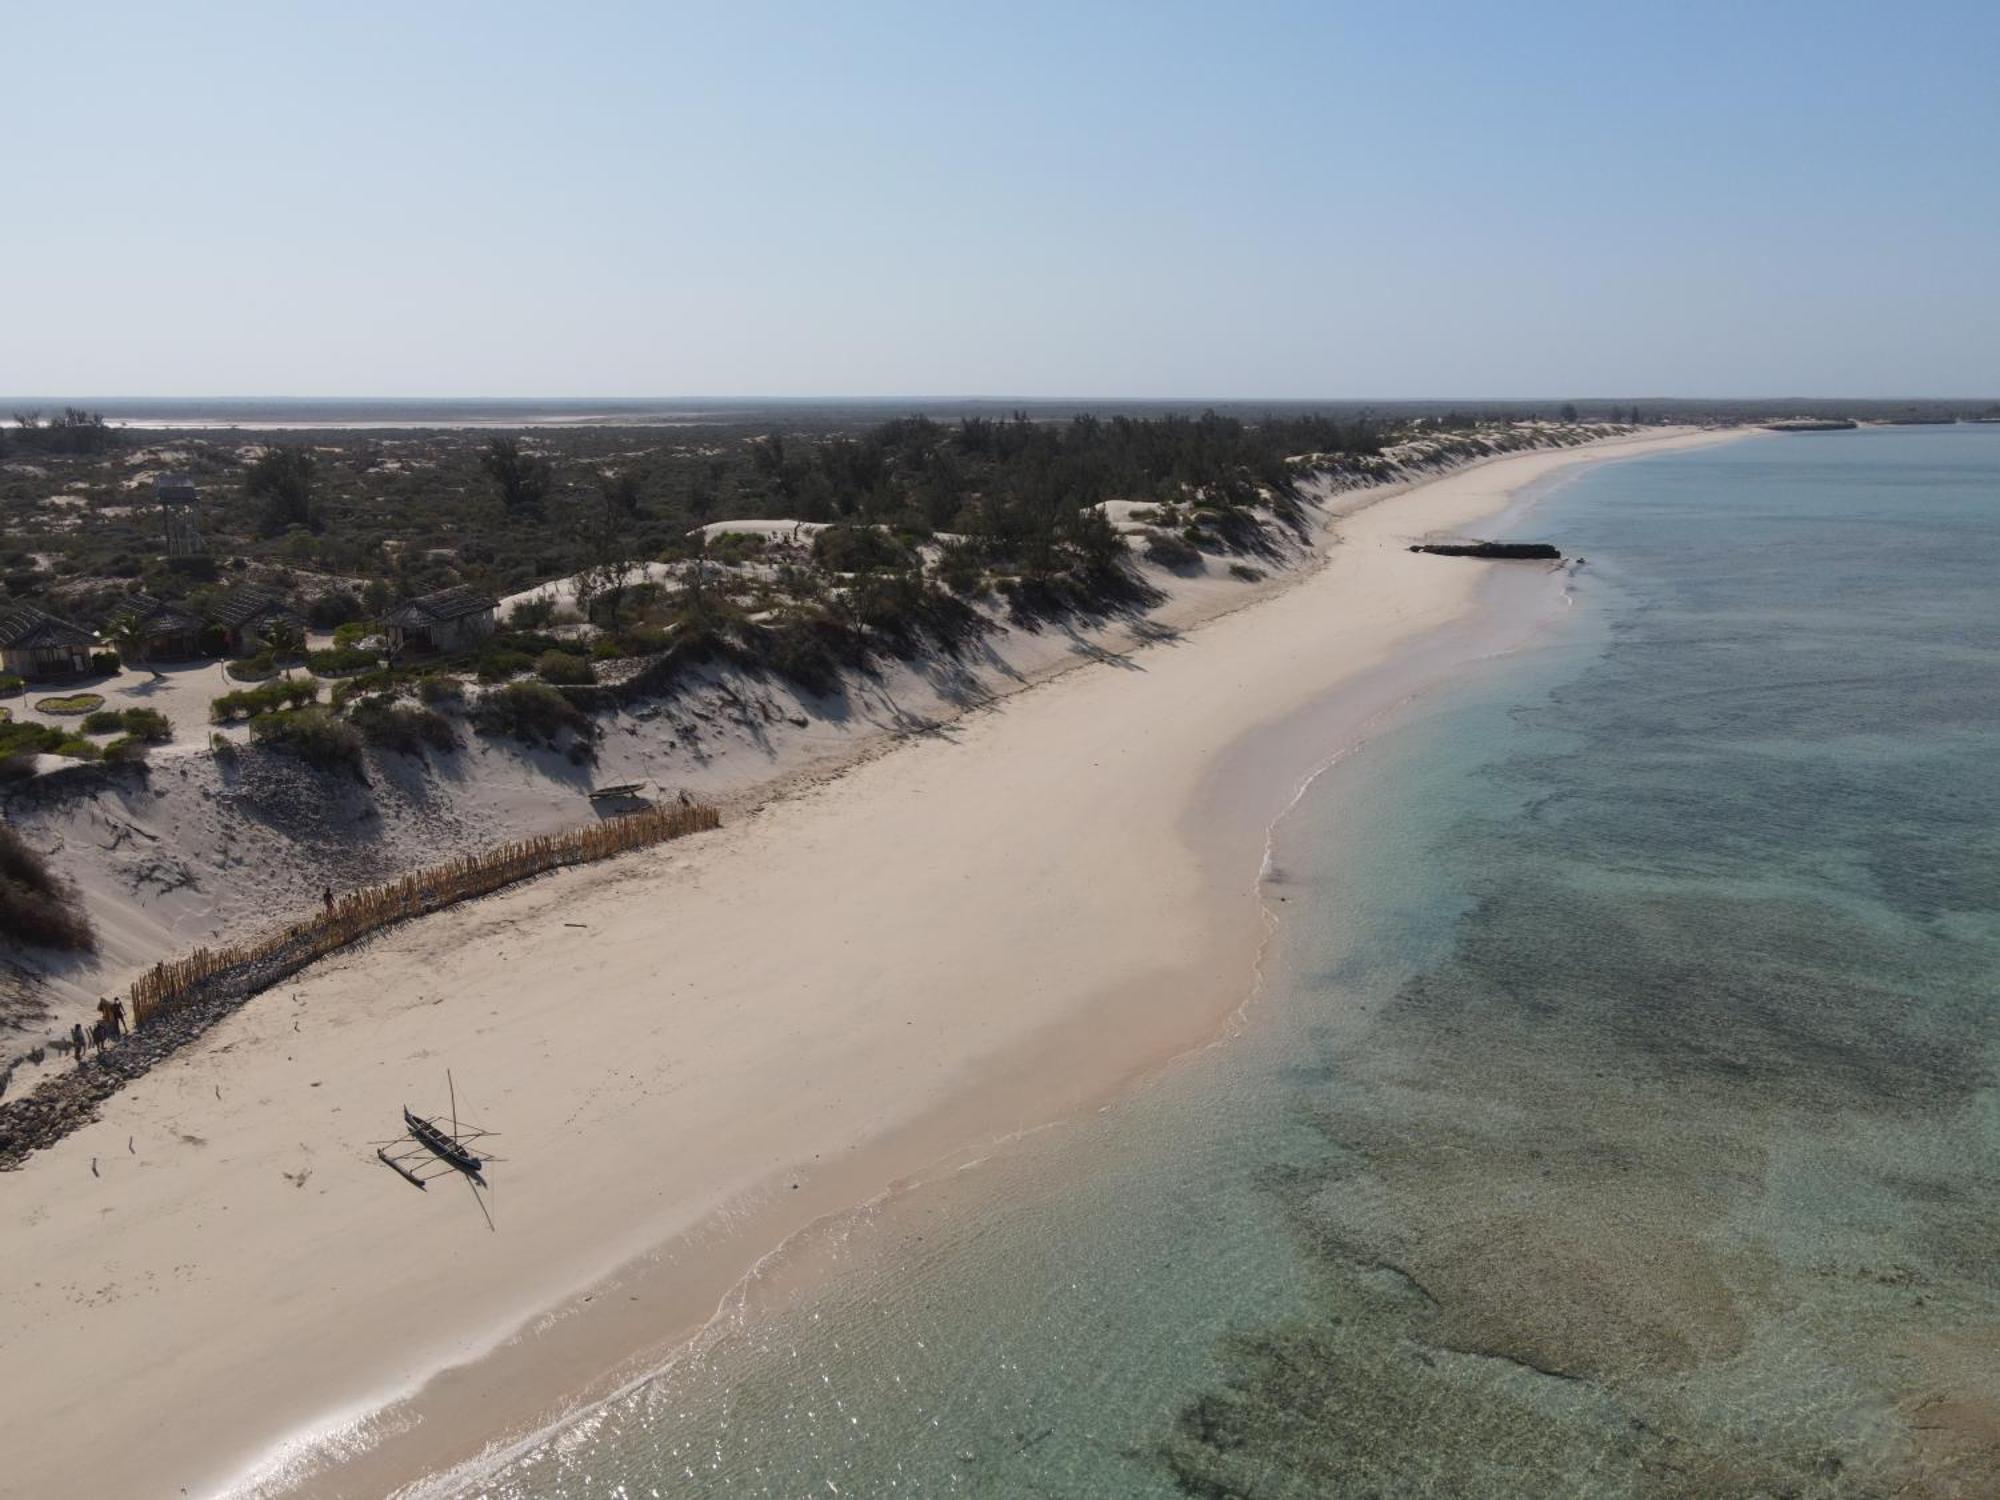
(1619, 1118)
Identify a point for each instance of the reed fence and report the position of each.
(177, 982)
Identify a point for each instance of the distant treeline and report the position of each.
(72, 431)
(346, 521)
(982, 475)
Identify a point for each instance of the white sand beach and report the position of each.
(690, 1053)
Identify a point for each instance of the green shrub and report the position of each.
(498, 666)
(532, 712)
(332, 610)
(381, 680)
(104, 663)
(341, 659)
(810, 650)
(564, 667)
(29, 738)
(402, 727)
(527, 642)
(734, 547)
(1169, 551)
(640, 641)
(126, 750)
(532, 614)
(258, 668)
(859, 549)
(961, 570)
(437, 688)
(73, 703)
(76, 747)
(286, 693)
(354, 632)
(311, 734)
(1245, 572)
(901, 608)
(148, 725)
(36, 907)
(10, 684)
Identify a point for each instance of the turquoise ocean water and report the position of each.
(1619, 1118)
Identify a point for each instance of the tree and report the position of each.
(523, 479)
(74, 431)
(285, 639)
(282, 477)
(128, 639)
(606, 541)
(620, 492)
(1569, 411)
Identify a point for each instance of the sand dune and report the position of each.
(690, 1052)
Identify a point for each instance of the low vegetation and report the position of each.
(405, 728)
(22, 741)
(342, 660)
(312, 735)
(901, 539)
(147, 725)
(35, 907)
(531, 712)
(564, 668)
(270, 697)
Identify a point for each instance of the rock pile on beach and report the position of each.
(68, 1099)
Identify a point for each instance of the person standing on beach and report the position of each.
(108, 1016)
(118, 1018)
(76, 1040)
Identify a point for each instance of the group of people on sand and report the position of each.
(108, 1027)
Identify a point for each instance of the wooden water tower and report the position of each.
(180, 514)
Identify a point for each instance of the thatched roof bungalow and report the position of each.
(247, 616)
(453, 619)
(167, 631)
(35, 644)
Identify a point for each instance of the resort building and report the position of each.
(167, 632)
(454, 619)
(247, 617)
(34, 644)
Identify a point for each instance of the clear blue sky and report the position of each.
(1238, 200)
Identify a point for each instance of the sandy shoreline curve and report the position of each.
(691, 1054)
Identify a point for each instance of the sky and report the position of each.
(1234, 200)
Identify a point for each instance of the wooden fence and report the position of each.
(176, 982)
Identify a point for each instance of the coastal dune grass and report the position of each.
(175, 983)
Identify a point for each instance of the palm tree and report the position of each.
(128, 638)
(284, 639)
